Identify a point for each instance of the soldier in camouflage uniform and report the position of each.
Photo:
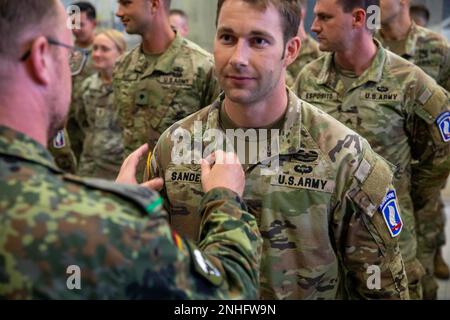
(84, 39)
(394, 105)
(117, 235)
(103, 147)
(321, 213)
(161, 81)
(430, 52)
(309, 50)
(67, 156)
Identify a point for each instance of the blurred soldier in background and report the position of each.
(420, 15)
(430, 52)
(103, 148)
(180, 21)
(161, 81)
(309, 49)
(390, 102)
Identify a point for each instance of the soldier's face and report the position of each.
(332, 25)
(104, 53)
(390, 9)
(248, 51)
(135, 15)
(87, 29)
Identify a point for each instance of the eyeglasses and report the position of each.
(77, 56)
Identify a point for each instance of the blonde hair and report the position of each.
(117, 37)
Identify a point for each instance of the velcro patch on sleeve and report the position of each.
(378, 181)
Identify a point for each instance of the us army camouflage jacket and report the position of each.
(318, 214)
(428, 50)
(308, 52)
(103, 146)
(403, 114)
(116, 235)
(151, 97)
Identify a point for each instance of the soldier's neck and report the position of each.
(396, 29)
(106, 76)
(347, 60)
(158, 42)
(301, 31)
(32, 121)
(258, 114)
(84, 45)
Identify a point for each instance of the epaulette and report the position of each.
(147, 200)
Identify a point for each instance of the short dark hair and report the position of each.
(88, 8)
(179, 12)
(349, 5)
(420, 10)
(288, 10)
(20, 16)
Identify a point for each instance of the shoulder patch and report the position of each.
(443, 123)
(391, 213)
(59, 141)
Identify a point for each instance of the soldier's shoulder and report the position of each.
(42, 188)
(124, 61)
(428, 37)
(351, 157)
(313, 68)
(188, 123)
(135, 199)
(403, 71)
(332, 137)
(195, 49)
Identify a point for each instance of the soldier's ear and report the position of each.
(358, 18)
(155, 5)
(292, 50)
(39, 61)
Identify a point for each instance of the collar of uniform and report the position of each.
(290, 135)
(375, 72)
(165, 61)
(98, 85)
(328, 76)
(17, 144)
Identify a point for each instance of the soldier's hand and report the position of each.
(223, 170)
(127, 174)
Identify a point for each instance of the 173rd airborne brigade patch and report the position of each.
(59, 141)
(391, 214)
(443, 123)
